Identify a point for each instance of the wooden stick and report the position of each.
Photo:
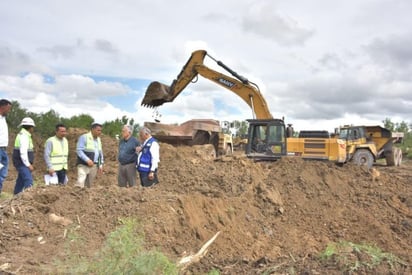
(185, 261)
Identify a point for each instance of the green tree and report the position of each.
(46, 123)
(388, 124)
(80, 121)
(14, 117)
(240, 127)
(244, 125)
(114, 127)
(396, 126)
(402, 127)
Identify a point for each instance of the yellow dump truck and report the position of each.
(362, 145)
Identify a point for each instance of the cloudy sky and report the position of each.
(319, 64)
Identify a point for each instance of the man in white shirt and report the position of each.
(148, 159)
(5, 107)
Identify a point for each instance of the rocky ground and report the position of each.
(273, 218)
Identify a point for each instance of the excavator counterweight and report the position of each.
(156, 94)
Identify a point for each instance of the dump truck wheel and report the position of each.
(398, 156)
(228, 150)
(363, 157)
(200, 138)
(390, 158)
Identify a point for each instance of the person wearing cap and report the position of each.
(5, 107)
(23, 155)
(89, 156)
(56, 151)
(148, 158)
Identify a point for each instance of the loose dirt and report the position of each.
(273, 217)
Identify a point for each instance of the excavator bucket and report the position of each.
(156, 94)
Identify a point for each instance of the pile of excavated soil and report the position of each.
(273, 217)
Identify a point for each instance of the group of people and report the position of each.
(134, 155)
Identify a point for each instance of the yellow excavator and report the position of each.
(266, 135)
(268, 138)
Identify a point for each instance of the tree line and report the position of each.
(46, 122)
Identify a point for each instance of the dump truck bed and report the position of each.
(185, 133)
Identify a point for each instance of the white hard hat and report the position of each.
(27, 121)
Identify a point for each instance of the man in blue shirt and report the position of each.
(89, 156)
(127, 158)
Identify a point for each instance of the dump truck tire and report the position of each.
(390, 158)
(200, 138)
(228, 150)
(363, 157)
(398, 156)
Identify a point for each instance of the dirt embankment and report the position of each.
(272, 216)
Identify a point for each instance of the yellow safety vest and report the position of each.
(59, 153)
(89, 149)
(16, 152)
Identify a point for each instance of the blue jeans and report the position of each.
(24, 179)
(4, 159)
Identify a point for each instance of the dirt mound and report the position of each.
(273, 217)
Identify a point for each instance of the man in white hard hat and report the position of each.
(23, 155)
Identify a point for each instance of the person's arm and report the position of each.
(136, 144)
(101, 154)
(24, 148)
(47, 152)
(154, 151)
(81, 145)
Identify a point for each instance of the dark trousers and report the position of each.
(61, 176)
(126, 175)
(24, 179)
(144, 179)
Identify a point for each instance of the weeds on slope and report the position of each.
(122, 253)
(351, 257)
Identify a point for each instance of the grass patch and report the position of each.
(353, 257)
(6, 195)
(122, 253)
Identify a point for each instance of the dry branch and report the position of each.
(193, 258)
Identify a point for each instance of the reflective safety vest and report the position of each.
(16, 152)
(145, 161)
(89, 149)
(59, 153)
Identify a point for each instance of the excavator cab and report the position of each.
(266, 139)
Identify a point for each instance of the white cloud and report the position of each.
(265, 21)
(320, 62)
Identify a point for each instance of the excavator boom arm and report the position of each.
(158, 93)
